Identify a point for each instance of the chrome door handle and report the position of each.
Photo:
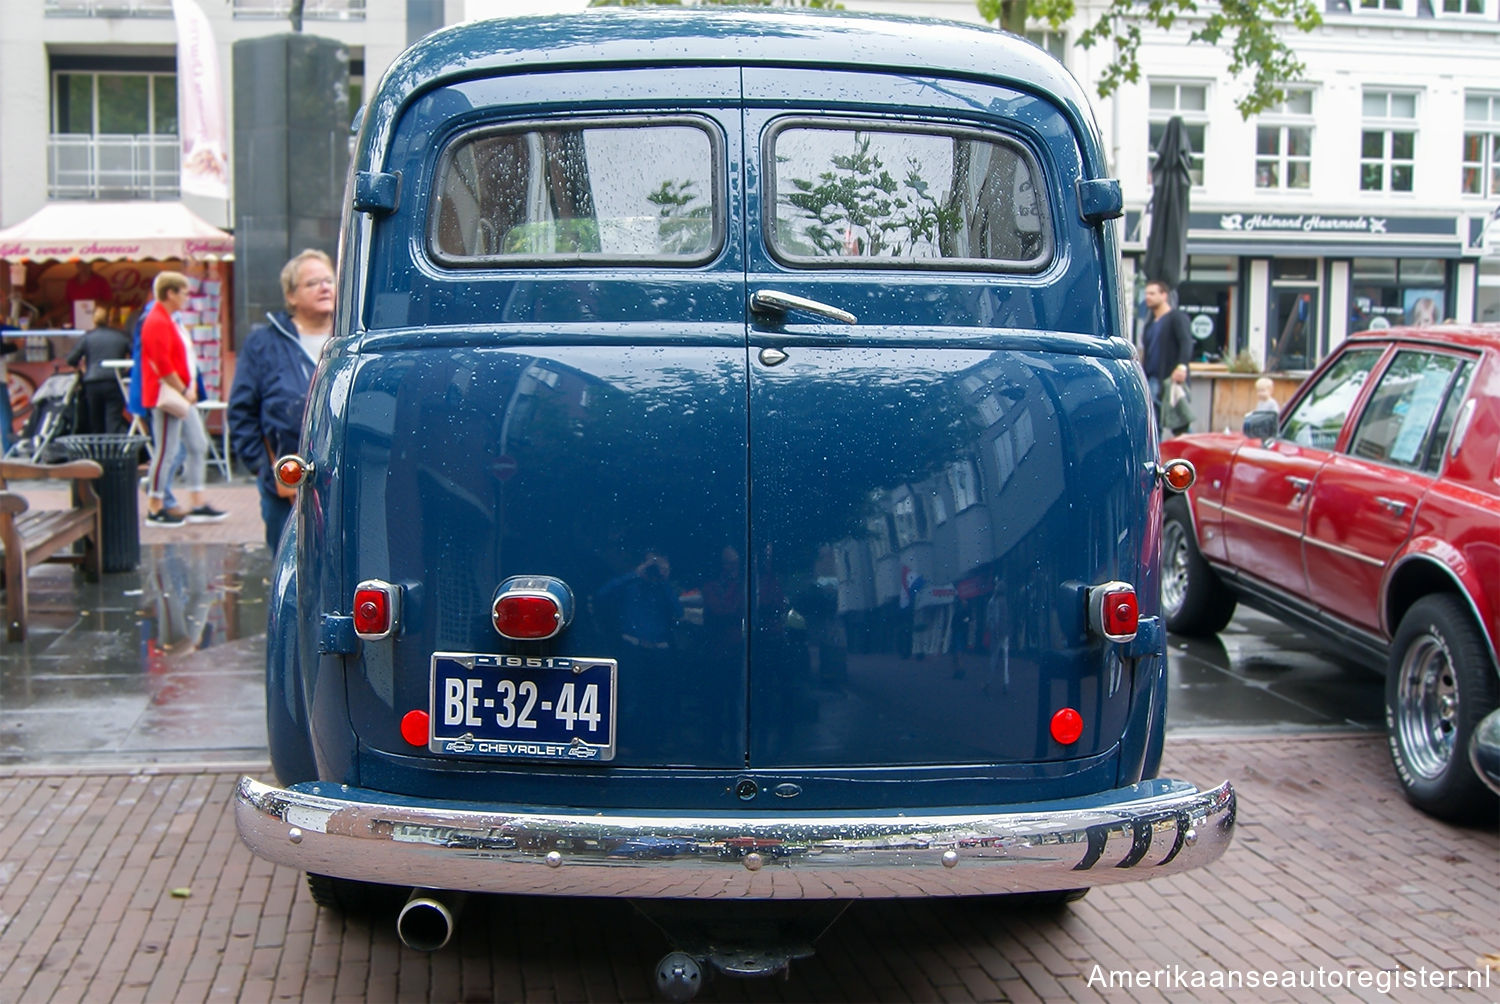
(771, 301)
(1301, 484)
(1396, 506)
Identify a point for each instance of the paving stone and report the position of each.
(1349, 900)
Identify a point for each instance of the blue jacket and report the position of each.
(271, 377)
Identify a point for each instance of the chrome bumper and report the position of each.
(1153, 828)
(1157, 827)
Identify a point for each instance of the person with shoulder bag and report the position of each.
(168, 388)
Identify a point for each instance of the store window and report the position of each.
(1190, 100)
(1387, 291)
(1389, 6)
(1487, 303)
(1388, 142)
(1463, 8)
(1294, 316)
(1283, 143)
(1481, 151)
(1207, 298)
(114, 135)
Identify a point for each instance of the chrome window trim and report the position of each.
(719, 194)
(911, 126)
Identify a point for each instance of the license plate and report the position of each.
(540, 708)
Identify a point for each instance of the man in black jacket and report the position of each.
(1167, 341)
(104, 401)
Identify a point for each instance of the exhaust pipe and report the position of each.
(429, 918)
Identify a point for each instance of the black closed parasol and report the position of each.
(1171, 180)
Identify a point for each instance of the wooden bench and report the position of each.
(32, 536)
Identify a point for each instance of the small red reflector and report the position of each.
(372, 611)
(527, 616)
(289, 472)
(1122, 616)
(415, 727)
(1067, 726)
(1179, 475)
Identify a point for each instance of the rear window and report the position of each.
(618, 190)
(909, 196)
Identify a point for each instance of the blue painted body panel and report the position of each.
(879, 550)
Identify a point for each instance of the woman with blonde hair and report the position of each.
(271, 377)
(169, 379)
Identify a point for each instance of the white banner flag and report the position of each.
(200, 105)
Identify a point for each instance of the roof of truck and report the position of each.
(718, 36)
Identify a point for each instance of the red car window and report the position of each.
(1319, 416)
(1399, 423)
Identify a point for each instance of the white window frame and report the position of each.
(1488, 164)
(1192, 117)
(97, 164)
(1388, 125)
(1282, 119)
(1440, 9)
(1055, 43)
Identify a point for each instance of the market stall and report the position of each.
(71, 257)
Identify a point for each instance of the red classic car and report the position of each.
(1367, 511)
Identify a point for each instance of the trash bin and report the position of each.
(119, 508)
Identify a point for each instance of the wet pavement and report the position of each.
(163, 665)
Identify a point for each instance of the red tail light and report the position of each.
(532, 608)
(376, 608)
(1113, 611)
(527, 617)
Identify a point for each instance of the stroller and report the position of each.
(54, 412)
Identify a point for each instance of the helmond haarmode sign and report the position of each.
(1306, 224)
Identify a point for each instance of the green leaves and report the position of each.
(1251, 31)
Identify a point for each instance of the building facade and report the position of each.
(1367, 198)
(88, 88)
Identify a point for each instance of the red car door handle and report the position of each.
(1301, 484)
(1396, 506)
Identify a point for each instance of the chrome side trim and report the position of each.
(1344, 551)
(1148, 829)
(1267, 525)
(1264, 524)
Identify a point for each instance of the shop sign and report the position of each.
(1324, 224)
(1331, 225)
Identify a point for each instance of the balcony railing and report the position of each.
(112, 166)
(313, 10)
(108, 8)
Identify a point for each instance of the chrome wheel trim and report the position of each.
(1427, 706)
(1174, 567)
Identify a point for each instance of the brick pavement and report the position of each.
(1330, 869)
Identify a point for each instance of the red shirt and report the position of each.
(95, 288)
(162, 352)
